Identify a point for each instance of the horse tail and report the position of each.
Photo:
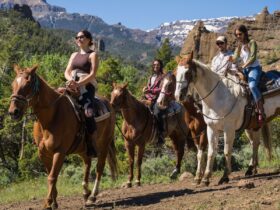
(112, 160)
(267, 140)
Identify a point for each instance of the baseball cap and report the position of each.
(221, 39)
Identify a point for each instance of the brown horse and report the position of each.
(57, 132)
(139, 127)
(193, 119)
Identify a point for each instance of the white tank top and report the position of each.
(245, 54)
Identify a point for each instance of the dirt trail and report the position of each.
(258, 192)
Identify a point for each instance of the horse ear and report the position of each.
(114, 84)
(33, 69)
(16, 68)
(125, 85)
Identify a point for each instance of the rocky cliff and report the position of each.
(265, 29)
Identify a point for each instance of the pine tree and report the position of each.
(164, 53)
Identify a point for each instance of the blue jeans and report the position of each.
(253, 75)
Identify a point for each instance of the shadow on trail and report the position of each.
(271, 175)
(154, 198)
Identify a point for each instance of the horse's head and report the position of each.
(118, 95)
(168, 86)
(184, 75)
(25, 86)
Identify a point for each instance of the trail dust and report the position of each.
(257, 192)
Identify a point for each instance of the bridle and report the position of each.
(191, 77)
(35, 84)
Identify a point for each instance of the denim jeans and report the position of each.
(253, 75)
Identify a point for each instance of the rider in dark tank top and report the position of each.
(80, 74)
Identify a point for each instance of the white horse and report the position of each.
(223, 109)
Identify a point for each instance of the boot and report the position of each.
(261, 114)
(90, 141)
(160, 141)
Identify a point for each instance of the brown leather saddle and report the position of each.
(268, 87)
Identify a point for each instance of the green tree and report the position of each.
(164, 53)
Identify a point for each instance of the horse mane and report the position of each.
(138, 102)
(202, 65)
(228, 81)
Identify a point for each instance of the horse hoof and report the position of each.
(249, 173)
(86, 195)
(205, 183)
(90, 201)
(138, 183)
(196, 182)
(128, 185)
(223, 180)
(174, 174)
(54, 206)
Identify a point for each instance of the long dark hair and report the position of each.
(244, 30)
(160, 65)
(88, 35)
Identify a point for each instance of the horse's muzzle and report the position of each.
(16, 114)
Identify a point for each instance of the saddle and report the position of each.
(269, 86)
(101, 111)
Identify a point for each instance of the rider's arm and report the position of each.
(236, 54)
(94, 66)
(68, 70)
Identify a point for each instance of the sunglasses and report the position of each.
(80, 37)
(220, 43)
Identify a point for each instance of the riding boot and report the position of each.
(91, 131)
(91, 144)
(161, 132)
(261, 113)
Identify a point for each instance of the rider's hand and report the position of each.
(73, 85)
(145, 90)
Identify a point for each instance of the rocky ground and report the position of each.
(258, 192)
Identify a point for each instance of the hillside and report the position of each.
(265, 29)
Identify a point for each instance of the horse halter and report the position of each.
(35, 89)
(189, 76)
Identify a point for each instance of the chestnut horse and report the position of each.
(223, 105)
(57, 131)
(139, 127)
(193, 119)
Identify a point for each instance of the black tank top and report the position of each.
(81, 62)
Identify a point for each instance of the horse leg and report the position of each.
(254, 138)
(57, 163)
(228, 144)
(201, 156)
(200, 168)
(140, 154)
(47, 161)
(130, 147)
(212, 151)
(178, 145)
(99, 171)
(86, 190)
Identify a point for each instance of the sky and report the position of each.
(149, 14)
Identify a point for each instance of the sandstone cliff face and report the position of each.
(265, 29)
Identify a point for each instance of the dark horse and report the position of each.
(57, 131)
(193, 119)
(139, 127)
